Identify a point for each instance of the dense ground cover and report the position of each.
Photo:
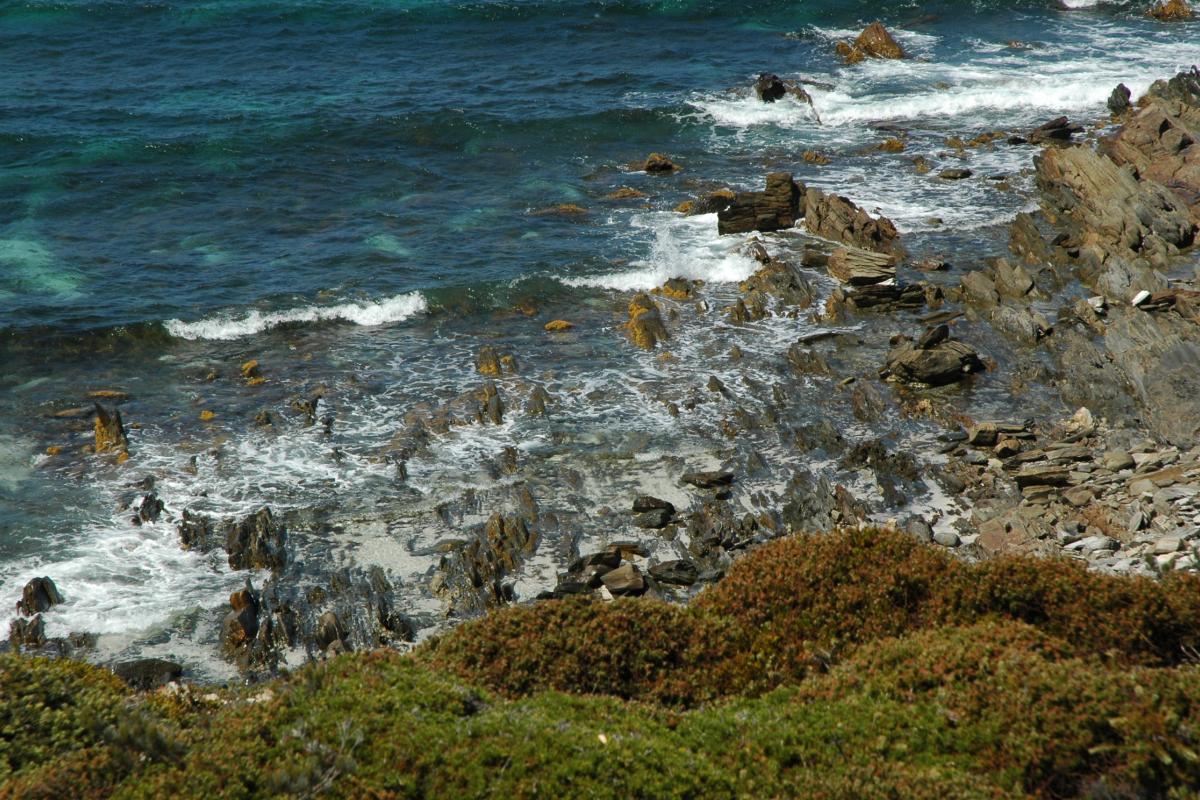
(858, 664)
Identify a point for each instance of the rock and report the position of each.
(893, 145)
(1092, 544)
(654, 518)
(946, 538)
(558, 325)
(626, 193)
(329, 630)
(709, 479)
(779, 280)
(560, 210)
(1168, 544)
(838, 219)
(921, 529)
(487, 361)
(658, 164)
(934, 336)
(1118, 101)
(946, 362)
(711, 203)
(110, 431)
(679, 573)
(39, 595)
(769, 88)
(1041, 476)
(492, 406)
(955, 174)
(1142, 486)
(980, 289)
(646, 327)
(257, 542)
(27, 632)
(985, 434)
(646, 503)
(873, 42)
(196, 532)
(608, 560)
(1170, 11)
(1059, 129)
(775, 208)
(1006, 448)
(860, 267)
(1121, 216)
(145, 674)
(625, 580)
(1117, 460)
(1079, 497)
(538, 398)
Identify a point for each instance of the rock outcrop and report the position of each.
(39, 595)
(257, 542)
(838, 219)
(933, 361)
(645, 326)
(874, 42)
(775, 208)
(110, 431)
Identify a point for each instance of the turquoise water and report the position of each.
(350, 191)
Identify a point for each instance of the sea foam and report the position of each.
(229, 326)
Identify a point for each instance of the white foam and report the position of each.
(682, 247)
(228, 326)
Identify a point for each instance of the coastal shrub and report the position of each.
(52, 707)
(628, 648)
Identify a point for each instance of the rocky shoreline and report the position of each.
(1093, 303)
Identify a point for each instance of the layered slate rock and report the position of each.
(838, 219)
(857, 267)
(775, 208)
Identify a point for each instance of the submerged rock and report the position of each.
(658, 164)
(1171, 11)
(110, 431)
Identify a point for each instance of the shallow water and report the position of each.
(349, 192)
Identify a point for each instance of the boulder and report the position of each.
(1118, 101)
(874, 42)
(39, 595)
(838, 219)
(680, 573)
(645, 326)
(860, 267)
(769, 87)
(775, 208)
(145, 674)
(955, 174)
(1170, 11)
(110, 431)
(946, 362)
(625, 580)
(655, 518)
(646, 503)
(257, 542)
(658, 164)
(23, 633)
(1059, 129)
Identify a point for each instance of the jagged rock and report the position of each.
(1025, 240)
(933, 337)
(711, 203)
(658, 164)
(491, 404)
(1119, 215)
(110, 431)
(27, 632)
(646, 327)
(487, 362)
(39, 595)
(945, 362)
(472, 574)
(885, 297)
(196, 532)
(625, 580)
(149, 509)
(1157, 355)
(1059, 129)
(775, 208)
(654, 518)
(1160, 140)
(1171, 11)
(257, 542)
(836, 218)
(145, 674)
(1118, 101)
(873, 42)
(538, 398)
(680, 573)
(711, 479)
(860, 267)
(769, 87)
(780, 280)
